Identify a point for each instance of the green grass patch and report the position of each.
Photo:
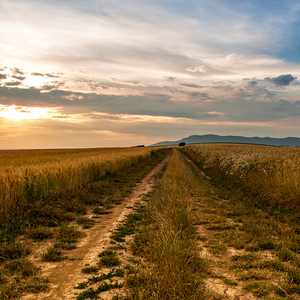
(259, 289)
(89, 269)
(53, 254)
(109, 258)
(40, 233)
(22, 266)
(85, 222)
(13, 251)
(127, 227)
(100, 211)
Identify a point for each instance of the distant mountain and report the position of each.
(211, 138)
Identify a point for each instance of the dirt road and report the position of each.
(65, 275)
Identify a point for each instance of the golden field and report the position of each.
(269, 174)
(33, 175)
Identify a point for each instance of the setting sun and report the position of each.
(14, 112)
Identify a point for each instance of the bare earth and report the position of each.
(65, 275)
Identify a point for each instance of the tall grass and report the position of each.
(30, 177)
(268, 175)
(168, 240)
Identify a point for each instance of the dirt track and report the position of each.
(65, 275)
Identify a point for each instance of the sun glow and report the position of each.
(14, 112)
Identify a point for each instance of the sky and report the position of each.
(112, 73)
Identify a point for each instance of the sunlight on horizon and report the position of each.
(14, 112)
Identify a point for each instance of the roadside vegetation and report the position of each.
(268, 176)
(172, 267)
(53, 195)
(196, 238)
(248, 220)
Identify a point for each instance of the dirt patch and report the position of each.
(65, 275)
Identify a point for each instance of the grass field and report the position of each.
(223, 222)
(30, 176)
(270, 176)
(42, 191)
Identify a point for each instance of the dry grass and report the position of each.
(46, 189)
(29, 176)
(260, 251)
(168, 240)
(269, 175)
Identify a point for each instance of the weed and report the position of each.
(108, 258)
(40, 233)
(257, 288)
(285, 255)
(119, 273)
(64, 246)
(13, 251)
(69, 235)
(22, 266)
(52, 254)
(89, 270)
(127, 228)
(10, 291)
(86, 222)
(100, 211)
(294, 276)
(129, 269)
(218, 248)
(274, 264)
(252, 275)
(117, 247)
(37, 284)
(93, 294)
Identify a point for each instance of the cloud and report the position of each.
(191, 85)
(17, 71)
(19, 77)
(3, 76)
(126, 82)
(171, 78)
(46, 75)
(282, 80)
(199, 69)
(13, 83)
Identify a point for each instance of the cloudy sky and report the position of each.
(99, 73)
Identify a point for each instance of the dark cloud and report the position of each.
(17, 71)
(45, 75)
(253, 89)
(21, 78)
(171, 78)
(14, 83)
(253, 83)
(2, 76)
(191, 85)
(282, 80)
(199, 95)
(48, 87)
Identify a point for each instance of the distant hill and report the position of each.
(212, 138)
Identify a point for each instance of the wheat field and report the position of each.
(269, 174)
(33, 175)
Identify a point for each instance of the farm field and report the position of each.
(49, 196)
(208, 222)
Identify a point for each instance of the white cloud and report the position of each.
(199, 69)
